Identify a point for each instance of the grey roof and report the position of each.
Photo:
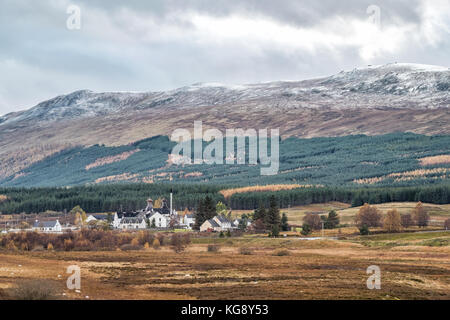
(190, 216)
(153, 213)
(131, 220)
(45, 224)
(100, 216)
(213, 223)
(222, 219)
(127, 214)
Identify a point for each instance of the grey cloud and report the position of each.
(40, 58)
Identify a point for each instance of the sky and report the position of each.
(53, 47)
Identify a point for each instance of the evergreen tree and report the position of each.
(284, 222)
(275, 231)
(306, 229)
(199, 215)
(210, 208)
(205, 211)
(273, 214)
(332, 221)
(260, 212)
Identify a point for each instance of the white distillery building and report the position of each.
(47, 226)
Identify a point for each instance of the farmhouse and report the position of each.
(129, 223)
(47, 226)
(97, 217)
(210, 225)
(158, 220)
(188, 220)
(217, 224)
(223, 222)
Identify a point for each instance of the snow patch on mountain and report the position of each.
(395, 85)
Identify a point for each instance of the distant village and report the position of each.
(163, 217)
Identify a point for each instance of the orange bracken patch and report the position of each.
(445, 158)
(271, 187)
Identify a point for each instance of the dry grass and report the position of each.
(435, 160)
(227, 193)
(313, 270)
(438, 213)
(34, 289)
(111, 159)
(437, 173)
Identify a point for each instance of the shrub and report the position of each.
(135, 242)
(306, 229)
(213, 248)
(156, 244)
(369, 216)
(83, 245)
(392, 221)
(161, 239)
(37, 289)
(50, 246)
(313, 221)
(407, 220)
(179, 242)
(447, 224)
(11, 246)
(129, 247)
(245, 251)
(421, 217)
(146, 246)
(364, 230)
(68, 245)
(282, 252)
(145, 237)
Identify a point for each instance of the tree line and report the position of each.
(130, 197)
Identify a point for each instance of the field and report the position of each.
(438, 213)
(414, 265)
(320, 269)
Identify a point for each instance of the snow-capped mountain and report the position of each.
(394, 85)
(371, 100)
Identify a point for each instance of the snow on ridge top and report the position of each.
(201, 85)
(410, 66)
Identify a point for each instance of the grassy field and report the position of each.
(417, 266)
(438, 213)
(414, 265)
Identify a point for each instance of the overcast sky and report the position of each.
(158, 45)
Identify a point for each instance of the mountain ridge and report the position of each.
(382, 76)
(374, 100)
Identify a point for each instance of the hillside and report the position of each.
(372, 101)
(398, 159)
